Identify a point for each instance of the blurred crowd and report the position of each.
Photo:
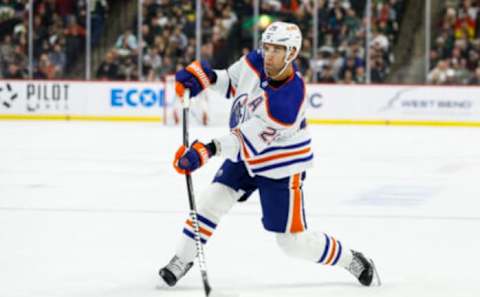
(58, 35)
(14, 39)
(342, 26)
(455, 54)
(169, 37)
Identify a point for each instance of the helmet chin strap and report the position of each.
(287, 63)
(280, 72)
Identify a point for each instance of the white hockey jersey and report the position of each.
(268, 126)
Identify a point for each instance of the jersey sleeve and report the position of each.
(227, 79)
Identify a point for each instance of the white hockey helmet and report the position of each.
(286, 34)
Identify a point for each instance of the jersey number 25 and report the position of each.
(268, 135)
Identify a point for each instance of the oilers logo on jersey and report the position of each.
(241, 111)
(238, 113)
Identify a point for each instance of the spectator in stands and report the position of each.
(6, 50)
(473, 59)
(14, 72)
(128, 70)
(58, 58)
(305, 56)
(470, 8)
(168, 67)
(108, 70)
(434, 56)
(126, 43)
(323, 16)
(46, 67)
(337, 61)
(179, 38)
(12, 54)
(75, 38)
(360, 75)
(152, 60)
(356, 50)
(378, 70)
(40, 34)
(147, 35)
(55, 32)
(475, 80)
(206, 52)
(220, 49)
(7, 10)
(99, 12)
(350, 66)
(456, 54)
(439, 75)
(465, 27)
(462, 74)
(11, 13)
(336, 23)
(348, 78)
(352, 24)
(229, 18)
(380, 40)
(326, 76)
(19, 57)
(65, 7)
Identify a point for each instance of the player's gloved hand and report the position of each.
(197, 155)
(196, 77)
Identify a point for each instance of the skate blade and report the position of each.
(161, 284)
(375, 274)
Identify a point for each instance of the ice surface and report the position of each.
(94, 210)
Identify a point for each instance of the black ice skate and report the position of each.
(364, 270)
(173, 272)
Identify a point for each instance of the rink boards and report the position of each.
(326, 104)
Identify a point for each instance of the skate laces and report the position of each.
(177, 267)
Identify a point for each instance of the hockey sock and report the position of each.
(186, 248)
(215, 202)
(335, 253)
(315, 246)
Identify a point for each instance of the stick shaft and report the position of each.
(191, 199)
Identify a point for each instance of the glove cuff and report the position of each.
(202, 151)
(212, 148)
(212, 76)
(196, 68)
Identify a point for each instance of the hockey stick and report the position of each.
(191, 200)
(193, 208)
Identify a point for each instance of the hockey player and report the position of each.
(267, 149)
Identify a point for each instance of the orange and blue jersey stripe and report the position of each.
(272, 157)
(248, 146)
(282, 164)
